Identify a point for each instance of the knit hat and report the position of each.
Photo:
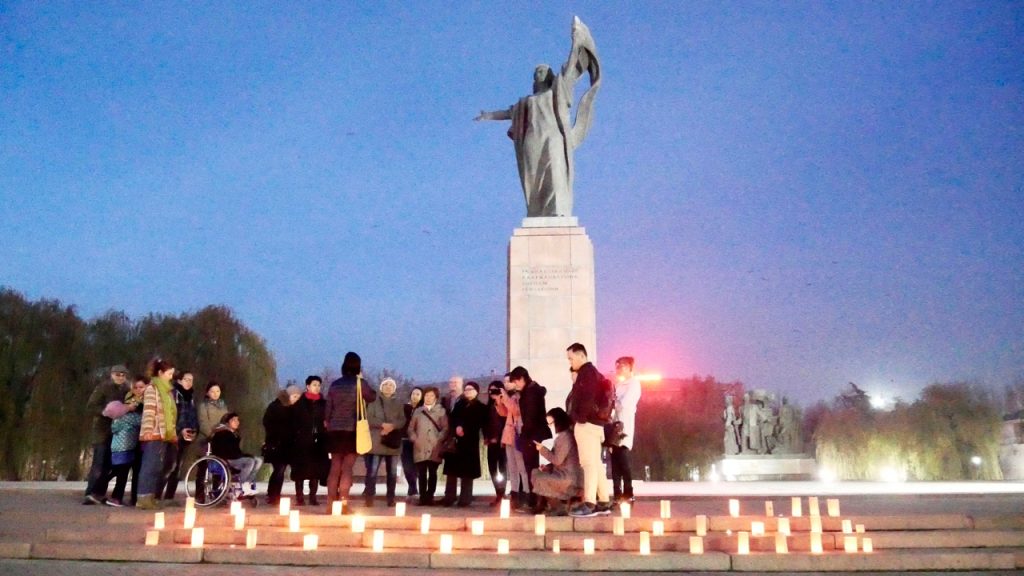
(472, 385)
(293, 389)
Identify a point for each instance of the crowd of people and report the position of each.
(146, 429)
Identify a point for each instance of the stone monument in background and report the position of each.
(551, 301)
(762, 440)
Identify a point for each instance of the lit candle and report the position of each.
(781, 544)
(796, 509)
(310, 541)
(293, 521)
(190, 503)
(235, 507)
(336, 508)
(240, 520)
(734, 508)
(850, 544)
(588, 546)
(556, 546)
(626, 509)
(702, 525)
(190, 518)
(769, 508)
(505, 508)
(197, 537)
(477, 527)
(784, 526)
(152, 537)
(866, 545)
(285, 506)
(645, 543)
(833, 507)
(250, 538)
(847, 527)
(858, 528)
(757, 528)
(812, 506)
(743, 542)
(425, 524)
(502, 546)
(400, 509)
(696, 545)
(539, 525)
(358, 524)
(158, 521)
(378, 540)
(666, 509)
(618, 526)
(815, 542)
(816, 524)
(446, 544)
(658, 528)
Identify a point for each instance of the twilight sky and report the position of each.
(795, 195)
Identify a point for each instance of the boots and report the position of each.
(147, 502)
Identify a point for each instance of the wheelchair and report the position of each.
(210, 480)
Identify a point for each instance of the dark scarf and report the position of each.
(186, 394)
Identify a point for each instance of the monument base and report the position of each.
(743, 467)
(550, 301)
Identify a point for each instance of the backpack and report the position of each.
(604, 400)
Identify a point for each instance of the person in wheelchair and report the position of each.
(226, 444)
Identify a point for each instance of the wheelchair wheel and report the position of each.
(208, 481)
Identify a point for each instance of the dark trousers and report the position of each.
(531, 460)
(172, 480)
(498, 467)
(100, 472)
(121, 479)
(622, 477)
(427, 472)
(314, 485)
(373, 462)
(409, 467)
(452, 493)
(276, 482)
(157, 463)
(339, 482)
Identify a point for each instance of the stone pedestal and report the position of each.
(745, 467)
(550, 300)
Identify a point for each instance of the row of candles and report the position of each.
(358, 525)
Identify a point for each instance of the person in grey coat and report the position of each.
(387, 420)
(560, 481)
(428, 429)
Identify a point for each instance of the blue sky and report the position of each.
(795, 195)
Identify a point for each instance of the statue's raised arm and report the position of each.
(543, 130)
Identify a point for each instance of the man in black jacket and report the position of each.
(587, 406)
(535, 425)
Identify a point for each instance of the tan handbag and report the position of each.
(364, 443)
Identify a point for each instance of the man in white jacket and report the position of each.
(627, 395)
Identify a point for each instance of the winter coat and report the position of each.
(495, 424)
(125, 429)
(209, 413)
(563, 478)
(424, 435)
(582, 403)
(279, 430)
(508, 408)
(309, 457)
(533, 412)
(186, 408)
(381, 410)
(158, 413)
(102, 395)
(627, 396)
(340, 411)
(465, 461)
(226, 444)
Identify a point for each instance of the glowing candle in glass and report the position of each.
(240, 520)
(696, 545)
(235, 507)
(867, 545)
(757, 528)
(425, 524)
(645, 543)
(446, 544)
(658, 528)
(158, 521)
(556, 546)
(310, 542)
(832, 505)
(812, 506)
(588, 546)
(540, 526)
(400, 509)
(850, 544)
(197, 537)
(734, 508)
(816, 543)
(784, 526)
(284, 506)
(816, 524)
(769, 508)
(626, 509)
(190, 503)
(702, 525)
(795, 507)
(293, 521)
(666, 509)
(847, 527)
(858, 528)
(152, 537)
(250, 538)
(505, 508)
(502, 546)
(476, 527)
(336, 508)
(781, 544)
(378, 540)
(358, 524)
(743, 542)
(619, 526)
(190, 518)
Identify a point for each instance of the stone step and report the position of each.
(889, 560)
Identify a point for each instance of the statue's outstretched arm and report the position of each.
(495, 115)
